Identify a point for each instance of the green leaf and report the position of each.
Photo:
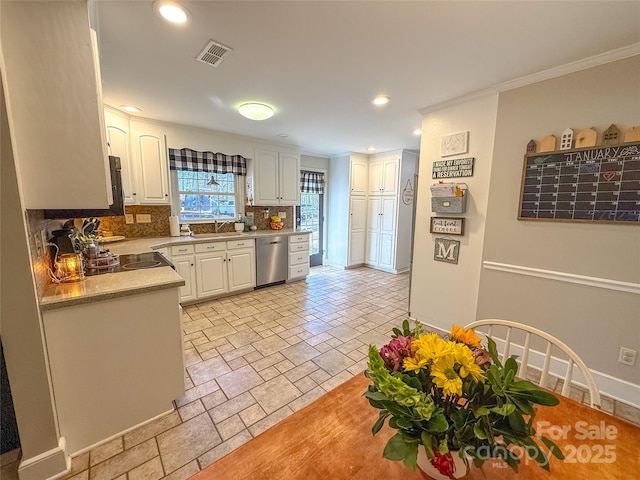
(380, 422)
(427, 441)
(523, 404)
(523, 386)
(396, 333)
(403, 423)
(437, 423)
(479, 432)
(533, 450)
(410, 459)
(492, 350)
(375, 396)
(481, 412)
(543, 398)
(553, 448)
(511, 365)
(504, 410)
(396, 448)
(517, 423)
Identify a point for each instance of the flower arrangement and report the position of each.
(452, 396)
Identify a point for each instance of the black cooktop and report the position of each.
(134, 261)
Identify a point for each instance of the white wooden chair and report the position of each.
(573, 358)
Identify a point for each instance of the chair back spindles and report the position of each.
(573, 358)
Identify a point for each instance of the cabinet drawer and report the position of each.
(233, 244)
(210, 247)
(298, 238)
(298, 247)
(299, 271)
(181, 250)
(299, 258)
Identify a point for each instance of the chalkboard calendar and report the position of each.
(596, 184)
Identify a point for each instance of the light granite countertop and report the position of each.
(139, 245)
(120, 284)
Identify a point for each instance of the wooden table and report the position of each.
(331, 439)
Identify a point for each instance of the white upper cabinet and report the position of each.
(358, 176)
(383, 176)
(119, 144)
(54, 104)
(276, 178)
(149, 148)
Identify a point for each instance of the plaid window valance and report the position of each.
(311, 182)
(187, 159)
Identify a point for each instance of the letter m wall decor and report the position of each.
(446, 250)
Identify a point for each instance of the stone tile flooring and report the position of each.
(252, 360)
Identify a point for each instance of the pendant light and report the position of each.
(212, 181)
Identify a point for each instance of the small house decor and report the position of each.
(611, 136)
(566, 140)
(586, 138)
(632, 135)
(531, 146)
(548, 144)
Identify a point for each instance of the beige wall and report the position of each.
(595, 321)
(444, 294)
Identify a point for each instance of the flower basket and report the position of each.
(452, 396)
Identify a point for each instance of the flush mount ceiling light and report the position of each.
(255, 111)
(130, 108)
(371, 149)
(380, 100)
(417, 131)
(172, 12)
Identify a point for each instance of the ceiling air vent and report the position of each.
(213, 54)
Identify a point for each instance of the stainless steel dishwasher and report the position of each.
(271, 260)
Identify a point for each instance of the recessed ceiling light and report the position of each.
(130, 108)
(380, 100)
(417, 131)
(255, 111)
(371, 149)
(171, 11)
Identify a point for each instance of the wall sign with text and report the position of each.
(461, 167)
(449, 225)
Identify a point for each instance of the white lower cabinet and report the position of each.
(216, 268)
(298, 257)
(184, 261)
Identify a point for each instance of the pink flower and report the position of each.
(394, 353)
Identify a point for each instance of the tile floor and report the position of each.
(252, 360)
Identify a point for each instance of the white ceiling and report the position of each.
(320, 63)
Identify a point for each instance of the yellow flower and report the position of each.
(414, 363)
(468, 337)
(464, 357)
(430, 347)
(445, 377)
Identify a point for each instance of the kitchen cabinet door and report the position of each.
(211, 274)
(358, 177)
(289, 179)
(150, 154)
(389, 177)
(185, 266)
(241, 268)
(375, 178)
(266, 178)
(119, 144)
(276, 178)
(357, 227)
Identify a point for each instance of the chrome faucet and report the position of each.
(217, 225)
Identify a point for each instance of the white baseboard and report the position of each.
(51, 464)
